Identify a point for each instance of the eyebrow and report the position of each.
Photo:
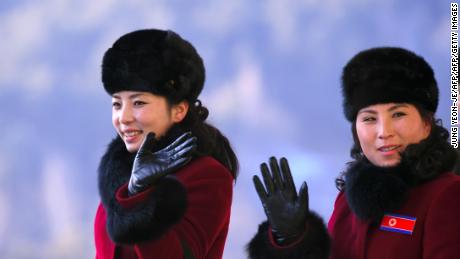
(130, 97)
(392, 108)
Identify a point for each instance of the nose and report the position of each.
(385, 129)
(125, 115)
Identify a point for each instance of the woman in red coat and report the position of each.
(166, 179)
(398, 197)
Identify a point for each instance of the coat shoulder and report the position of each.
(446, 185)
(443, 181)
(204, 168)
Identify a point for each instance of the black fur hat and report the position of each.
(155, 61)
(386, 75)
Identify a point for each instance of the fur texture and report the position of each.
(314, 245)
(148, 220)
(155, 61)
(385, 75)
(372, 191)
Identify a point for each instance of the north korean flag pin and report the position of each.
(398, 223)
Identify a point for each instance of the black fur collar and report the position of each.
(372, 191)
(116, 164)
(114, 170)
(153, 217)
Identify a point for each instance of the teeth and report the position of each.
(132, 133)
(389, 148)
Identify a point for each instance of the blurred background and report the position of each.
(273, 87)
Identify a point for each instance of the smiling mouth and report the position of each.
(132, 133)
(388, 148)
(131, 136)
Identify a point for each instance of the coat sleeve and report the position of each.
(314, 243)
(144, 216)
(147, 215)
(442, 226)
(190, 211)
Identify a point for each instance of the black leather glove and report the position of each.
(151, 166)
(286, 211)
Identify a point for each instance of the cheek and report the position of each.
(153, 121)
(415, 136)
(147, 119)
(363, 135)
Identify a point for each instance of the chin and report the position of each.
(132, 148)
(389, 163)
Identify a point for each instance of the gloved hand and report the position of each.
(151, 166)
(286, 211)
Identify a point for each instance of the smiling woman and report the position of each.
(135, 114)
(398, 197)
(166, 179)
(385, 130)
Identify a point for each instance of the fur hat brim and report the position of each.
(387, 75)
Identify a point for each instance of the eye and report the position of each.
(398, 114)
(116, 105)
(368, 119)
(139, 103)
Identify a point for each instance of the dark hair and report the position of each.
(211, 141)
(442, 158)
(163, 63)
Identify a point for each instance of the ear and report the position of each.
(427, 128)
(179, 111)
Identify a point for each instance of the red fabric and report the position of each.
(436, 233)
(130, 201)
(204, 226)
(105, 248)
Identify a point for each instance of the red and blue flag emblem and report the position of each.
(398, 223)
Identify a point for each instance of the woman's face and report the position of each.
(135, 114)
(385, 130)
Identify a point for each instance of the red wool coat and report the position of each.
(203, 227)
(436, 233)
